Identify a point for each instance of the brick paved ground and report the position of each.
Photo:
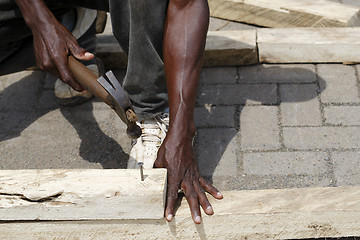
(264, 126)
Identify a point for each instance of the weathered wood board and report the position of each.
(81, 194)
(225, 48)
(309, 45)
(259, 214)
(286, 13)
(230, 48)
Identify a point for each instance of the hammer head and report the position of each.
(121, 103)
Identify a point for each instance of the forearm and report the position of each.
(184, 41)
(35, 13)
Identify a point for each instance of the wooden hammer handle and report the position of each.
(88, 80)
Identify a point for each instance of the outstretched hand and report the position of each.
(176, 155)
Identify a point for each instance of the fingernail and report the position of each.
(87, 54)
(198, 219)
(219, 195)
(169, 217)
(209, 209)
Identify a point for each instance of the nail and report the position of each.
(219, 195)
(198, 219)
(169, 217)
(141, 170)
(209, 210)
(87, 54)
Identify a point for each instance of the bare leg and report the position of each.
(184, 41)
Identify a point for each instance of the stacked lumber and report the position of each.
(286, 13)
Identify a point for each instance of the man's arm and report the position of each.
(184, 42)
(52, 41)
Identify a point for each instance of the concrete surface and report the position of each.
(264, 126)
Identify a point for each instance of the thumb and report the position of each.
(80, 53)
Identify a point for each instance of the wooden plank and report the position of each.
(225, 48)
(81, 194)
(286, 13)
(275, 214)
(230, 48)
(308, 45)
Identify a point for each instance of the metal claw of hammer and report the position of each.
(109, 91)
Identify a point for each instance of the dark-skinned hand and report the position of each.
(176, 155)
(53, 43)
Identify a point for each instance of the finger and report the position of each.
(172, 196)
(65, 74)
(204, 202)
(193, 200)
(210, 188)
(79, 52)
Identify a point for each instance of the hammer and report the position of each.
(109, 91)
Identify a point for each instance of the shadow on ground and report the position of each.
(218, 142)
(25, 101)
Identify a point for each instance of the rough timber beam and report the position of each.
(259, 214)
(225, 48)
(286, 13)
(81, 194)
(309, 45)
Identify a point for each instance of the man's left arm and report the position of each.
(184, 42)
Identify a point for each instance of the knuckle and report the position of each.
(67, 80)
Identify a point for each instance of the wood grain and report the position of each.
(81, 194)
(309, 45)
(286, 13)
(259, 214)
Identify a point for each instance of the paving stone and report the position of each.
(256, 182)
(238, 94)
(342, 115)
(218, 75)
(259, 128)
(21, 91)
(66, 145)
(217, 151)
(346, 168)
(42, 153)
(300, 105)
(285, 163)
(339, 83)
(118, 133)
(47, 100)
(321, 137)
(222, 116)
(277, 73)
(16, 121)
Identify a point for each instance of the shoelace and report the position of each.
(154, 132)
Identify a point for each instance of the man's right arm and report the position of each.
(53, 43)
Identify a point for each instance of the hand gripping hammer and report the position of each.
(110, 92)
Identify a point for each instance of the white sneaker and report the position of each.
(67, 96)
(145, 148)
